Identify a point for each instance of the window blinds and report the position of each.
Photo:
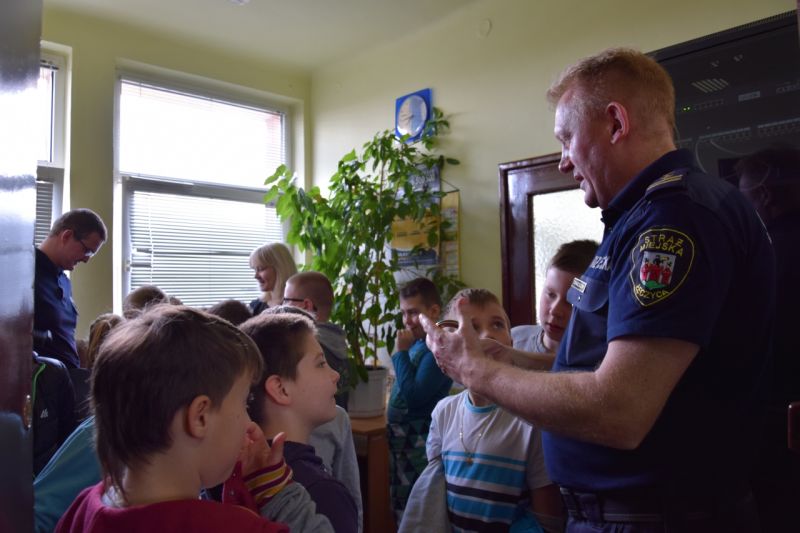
(197, 248)
(44, 210)
(194, 167)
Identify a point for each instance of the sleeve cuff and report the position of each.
(264, 484)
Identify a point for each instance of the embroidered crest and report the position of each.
(661, 260)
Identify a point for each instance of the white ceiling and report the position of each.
(305, 34)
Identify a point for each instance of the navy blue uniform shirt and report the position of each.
(684, 256)
(54, 311)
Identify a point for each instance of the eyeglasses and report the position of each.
(87, 252)
(286, 299)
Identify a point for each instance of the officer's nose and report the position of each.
(565, 164)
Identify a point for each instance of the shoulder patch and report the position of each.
(670, 180)
(660, 262)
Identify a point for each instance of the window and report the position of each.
(52, 116)
(193, 167)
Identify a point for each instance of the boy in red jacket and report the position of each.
(169, 392)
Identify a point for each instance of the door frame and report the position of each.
(520, 181)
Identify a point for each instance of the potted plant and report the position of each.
(349, 230)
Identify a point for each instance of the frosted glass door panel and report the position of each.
(559, 217)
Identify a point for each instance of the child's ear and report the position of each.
(276, 391)
(435, 311)
(196, 416)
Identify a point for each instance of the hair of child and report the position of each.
(574, 256)
(476, 297)
(151, 367)
(424, 288)
(317, 288)
(140, 298)
(280, 337)
(98, 331)
(233, 311)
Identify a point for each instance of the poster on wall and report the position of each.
(449, 238)
(410, 242)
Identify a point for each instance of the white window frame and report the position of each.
(54, 171)
(126, 184)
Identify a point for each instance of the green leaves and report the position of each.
(348, 231)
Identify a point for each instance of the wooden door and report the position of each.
(520, 181)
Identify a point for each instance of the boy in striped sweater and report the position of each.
(492, 460)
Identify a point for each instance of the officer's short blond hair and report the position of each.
(619, 74)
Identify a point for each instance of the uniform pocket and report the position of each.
(586, 339)
(588, 294)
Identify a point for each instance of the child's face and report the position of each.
(314, 387)
(554, 310)
(226, 434)
(491, 322)
(413, 307)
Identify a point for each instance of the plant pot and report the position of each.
(369, 399)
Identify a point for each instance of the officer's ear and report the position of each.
(619, 120)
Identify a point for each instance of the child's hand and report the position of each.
(405, 339)
(263, 468)
(256, 453)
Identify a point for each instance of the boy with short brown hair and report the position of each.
(569, 262)
(492, 460)
(313, 292)
(169, 392)
(295, 394)
(419, 384)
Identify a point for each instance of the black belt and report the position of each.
(628, 506)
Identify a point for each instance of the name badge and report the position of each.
(578, 284)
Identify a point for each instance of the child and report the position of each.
(419, 384)
(570, 261)
(233, 311)
(295, 394)
(169, 392)
(332, 441)
(492, 460)
(141, 298)
(313, 292)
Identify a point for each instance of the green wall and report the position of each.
(492, 84)
(493, 87)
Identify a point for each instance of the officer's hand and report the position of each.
(405, 338)
(459, 351)
(497, 351)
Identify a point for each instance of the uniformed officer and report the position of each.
(657, 384)
(74, 238)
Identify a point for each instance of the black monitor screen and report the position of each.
(737, 91)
